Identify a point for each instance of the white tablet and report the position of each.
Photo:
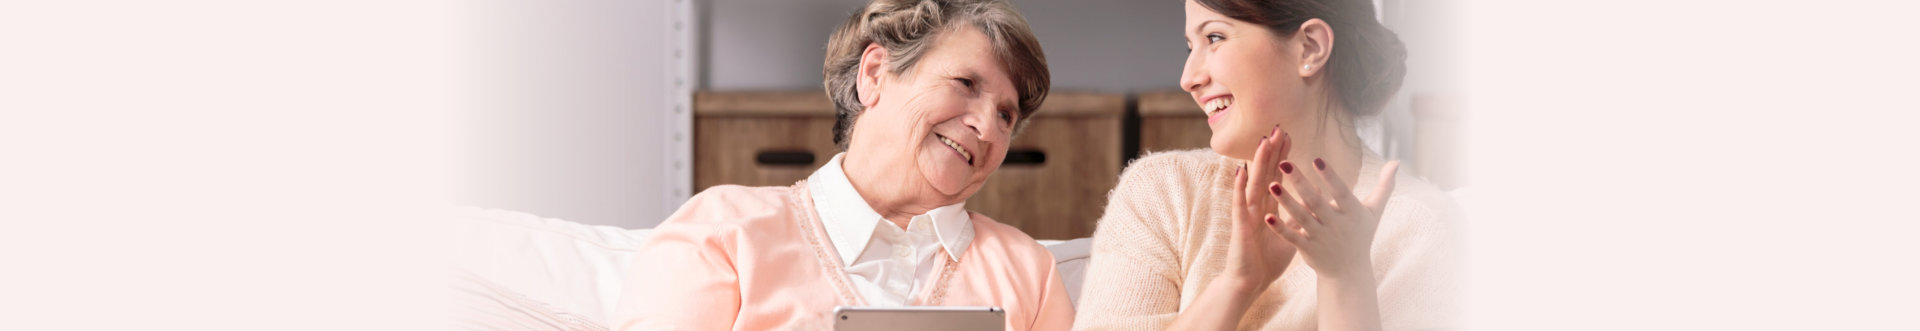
(929, 318)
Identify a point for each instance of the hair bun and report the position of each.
(1380, 69)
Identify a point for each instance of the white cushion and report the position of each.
(1070, 259)
(479, 304)
(574, 268)
(513, 266)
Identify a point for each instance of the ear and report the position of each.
(1315, 40)
(873, 63)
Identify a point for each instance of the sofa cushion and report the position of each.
(516, 267)
(574, 268)
(1070, 258)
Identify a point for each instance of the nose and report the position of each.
(983, 120)
(1193, 74)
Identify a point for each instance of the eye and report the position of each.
(1006, 116)
(965, 82)
(1215, 37)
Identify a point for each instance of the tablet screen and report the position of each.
(930, 318)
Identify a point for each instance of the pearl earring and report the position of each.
(1307, 67)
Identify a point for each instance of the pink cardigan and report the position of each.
(756, 258)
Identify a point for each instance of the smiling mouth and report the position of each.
(1217, 105)
(968, 156)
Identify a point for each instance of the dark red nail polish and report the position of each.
(1286, 167)
(1318, 164)
(1275, 188)
(1270, 220)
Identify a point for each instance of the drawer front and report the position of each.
(1169, 120)
(759, 150)
(1172, 133)
(1062, 197)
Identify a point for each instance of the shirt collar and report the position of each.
(850, 221)
(954, 227)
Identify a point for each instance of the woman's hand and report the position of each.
(1332, 229)
(1334, 232)
(1257, 255)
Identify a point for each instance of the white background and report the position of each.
(1694, 165)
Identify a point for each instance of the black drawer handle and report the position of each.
(1025, 157)
(784, 158)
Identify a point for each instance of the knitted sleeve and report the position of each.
(1134, 279)
(1416, 260)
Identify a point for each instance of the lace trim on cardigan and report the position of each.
(830, 261)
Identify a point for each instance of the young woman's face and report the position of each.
(949, 118)
(1243, 76)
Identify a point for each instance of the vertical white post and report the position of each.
(686, 64)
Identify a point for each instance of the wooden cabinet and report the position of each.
(1079, 136)
(760, 138)
(1053, 186)
(1055, 181)
(1170, 120)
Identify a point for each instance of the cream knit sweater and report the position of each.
(1165, 235)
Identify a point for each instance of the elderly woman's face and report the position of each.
(949, 117)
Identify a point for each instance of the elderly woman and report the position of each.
(929, 94)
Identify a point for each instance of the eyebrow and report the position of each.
(1009, 107)
(1196, 28)
(1007, 104)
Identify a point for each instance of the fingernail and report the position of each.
(1276, 189)
(1286, 167)
(1270, 220)
(1236, 171)
(1318, 164)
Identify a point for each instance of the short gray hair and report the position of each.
(906, 28)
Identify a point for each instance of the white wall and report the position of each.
(768, 44)
(1099, 45)
(566, 109)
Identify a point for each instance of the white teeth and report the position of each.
(1214, 106)
(956, 147)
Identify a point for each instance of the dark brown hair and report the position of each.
(1368, 61)
(907, 29)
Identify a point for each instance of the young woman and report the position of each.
(1207, 239)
